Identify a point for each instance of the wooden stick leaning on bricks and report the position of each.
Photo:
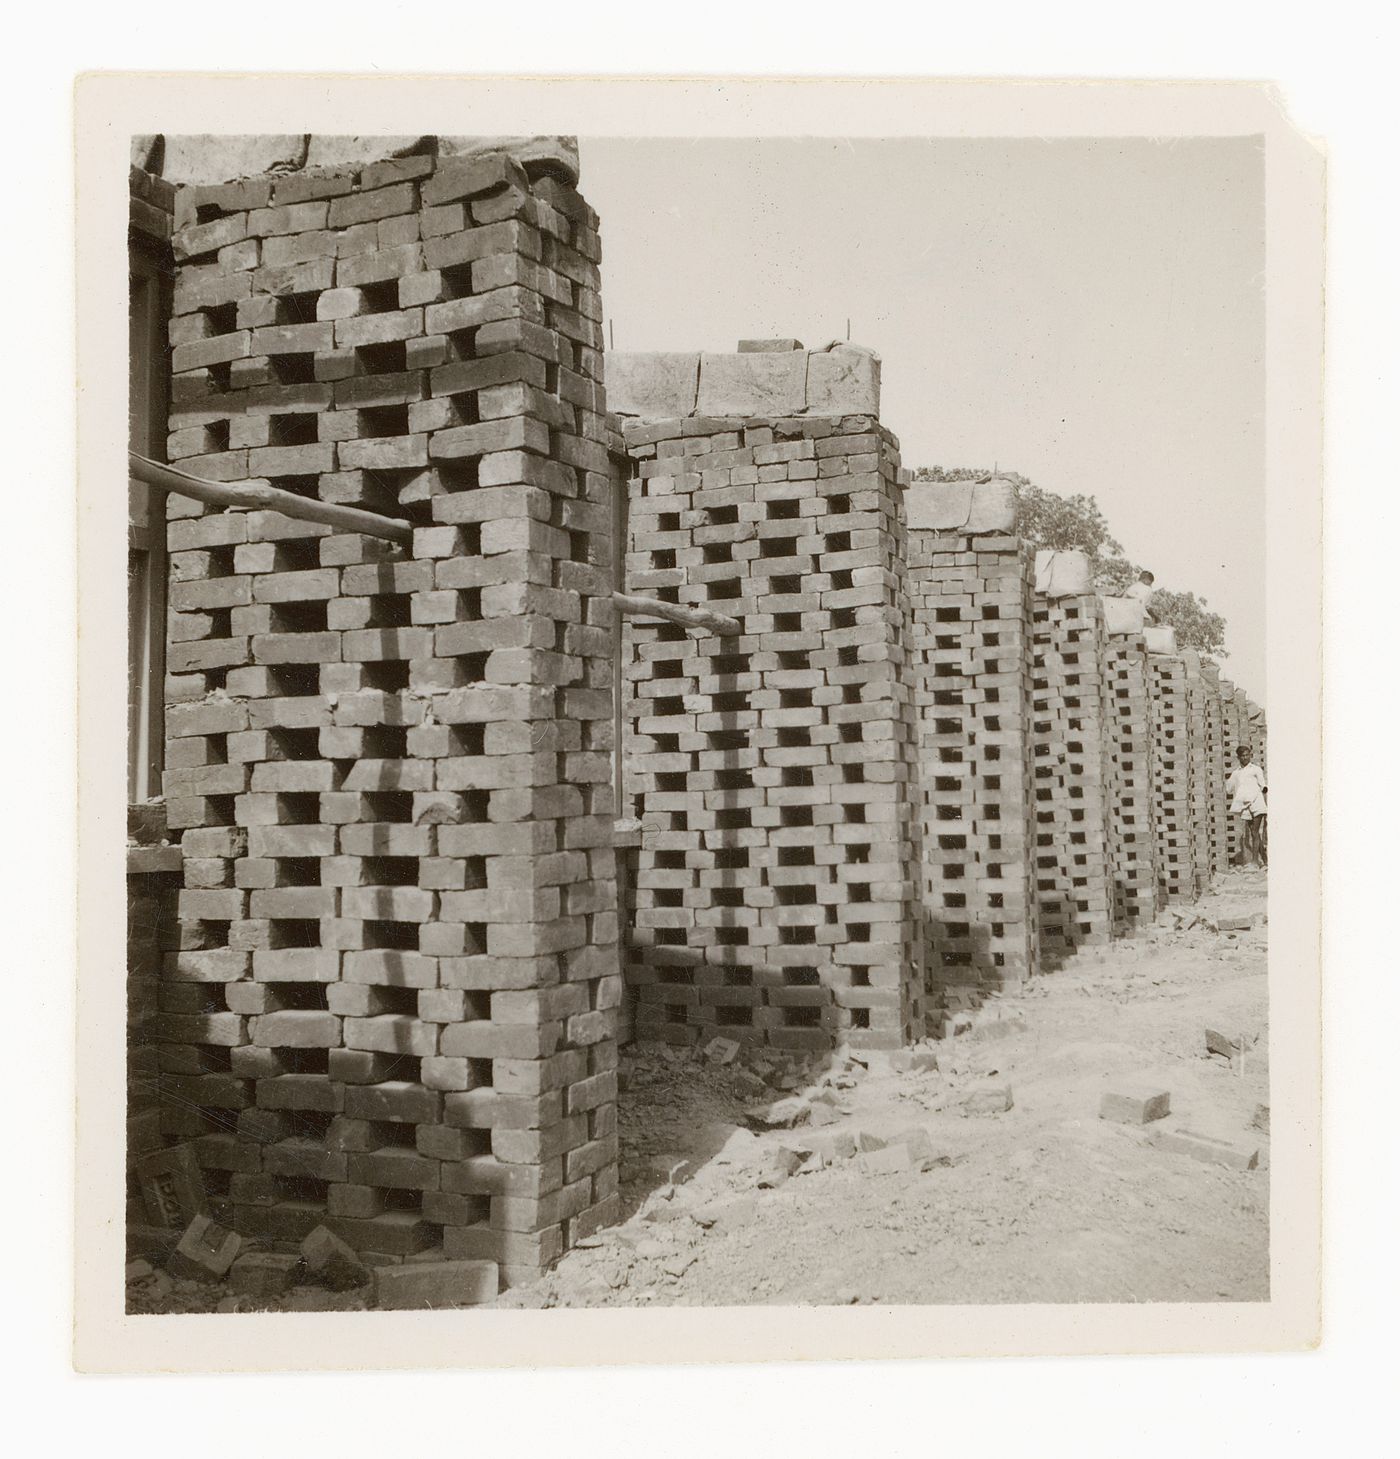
(256, 495)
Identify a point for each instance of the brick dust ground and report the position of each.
(1045, 1202)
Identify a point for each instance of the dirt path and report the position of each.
(1044, 1202)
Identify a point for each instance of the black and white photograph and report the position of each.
(698, 729)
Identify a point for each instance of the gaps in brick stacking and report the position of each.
(970, 606)
(1180, 875)
(772, 896)
(1136, 889)
(392, 1011)
(1075, 890)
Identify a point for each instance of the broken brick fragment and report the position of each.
(889, 1161)
(206, 1251)
(993, 1101)
(721, 1050)
(263, 1273)
(331, 1262)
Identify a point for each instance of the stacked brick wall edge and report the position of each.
(771, 772)
(1217, 769)
(153, 872)
(1178, 876)
(154, 867)
(971, 583)
(1198, 740)
(1072, 751)
(1136, 887)
(393, 1008)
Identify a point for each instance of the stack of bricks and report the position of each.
(153, 872)
(1197, 701)
(1217, 768)
(393, 1010)
(1172, 781)
(153, 866)
(771, 771)
(1128, 677)
(1257, 733)
(1232, 734)
(1071, 742)
(970, 588)
(150, 204)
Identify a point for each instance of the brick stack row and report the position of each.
(1197, 697)
(153, 866)
(1217, 768)
(393, 1010)
(772, 770)
(153, 873)
(1134, 850)
(1071, 744)
(970, 587)
(1172, 781)
(1232, 734)
(1257, 732)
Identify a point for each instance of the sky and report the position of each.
(1089, 313)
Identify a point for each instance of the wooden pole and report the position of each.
(256, 495)
(252, 494)
(632, 606)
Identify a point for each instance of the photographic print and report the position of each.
(698, 733)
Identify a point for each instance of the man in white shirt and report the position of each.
(1247, 790)
(1141, 591)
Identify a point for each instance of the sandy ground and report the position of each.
(1041, 1202)
(1044, 1202)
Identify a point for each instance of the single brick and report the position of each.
(331, 1262)
(1135, 1106)
(172, 1186)
(206, 1251)
(263, 1273)
(435, 1284)
(989, 1101)
(1207, 1148)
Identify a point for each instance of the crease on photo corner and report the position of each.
(1274, 94)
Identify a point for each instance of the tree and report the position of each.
(1066, 523)
(1196, 627)
(1115, 575)
(1047, 520)
(1075, 523)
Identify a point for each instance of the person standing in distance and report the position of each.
(1247, 791)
